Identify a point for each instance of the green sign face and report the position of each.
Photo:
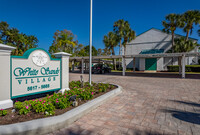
(35, 72)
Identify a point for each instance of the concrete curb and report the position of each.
(46, 125)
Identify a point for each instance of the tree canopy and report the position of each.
(172, 22)
(186, 21)
(111, 40)
(182, 45)
(12, 36)
(191, 17)
(86, 51)
(64, 41)
(124, 32)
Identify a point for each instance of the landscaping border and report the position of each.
(50, 124)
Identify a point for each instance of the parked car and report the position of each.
(101, 68)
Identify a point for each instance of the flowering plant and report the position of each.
(3, 112)
(50, 103)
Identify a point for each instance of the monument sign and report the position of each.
(33, 73)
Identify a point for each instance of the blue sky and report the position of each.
(43, 17)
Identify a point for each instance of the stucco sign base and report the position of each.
(46, 125)
(6, 104)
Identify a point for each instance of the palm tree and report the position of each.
(191, 17)
(119, 30)
(106, 52)
(181, 45)
(111, 40)
(124, 32)
(99, 52)
(129, 35)
(172, 22)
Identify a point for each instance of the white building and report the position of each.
(150, 42)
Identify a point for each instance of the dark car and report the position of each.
(101, 68)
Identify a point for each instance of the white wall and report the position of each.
(142, 64)
(152, 39)
(160, 64)
(5, 76)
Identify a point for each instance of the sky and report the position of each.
(43, 17)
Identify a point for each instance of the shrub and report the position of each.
(3, 112)
(74, 84)
(23, 107)
(48, 104)
(45, 107)
(188, 68)
(103, 87)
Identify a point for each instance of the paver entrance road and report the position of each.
(147, 105)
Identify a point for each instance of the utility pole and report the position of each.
(90, 65)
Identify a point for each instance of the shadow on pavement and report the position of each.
(186, 103)
(191, 117)
(77, 130)
(80, 131)
(185, 116)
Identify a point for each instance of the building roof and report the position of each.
(165, 33)
(156, 55)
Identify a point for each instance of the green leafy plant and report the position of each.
(50, 103)
(3, 112)
(75, 84)
(188, 68)
(23, 107)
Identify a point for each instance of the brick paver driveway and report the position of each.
(148, 105)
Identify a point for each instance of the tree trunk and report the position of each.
(115, 65)
(172, 47)
(172, 41)
(120, 46)
(125, 54)
(187, 35)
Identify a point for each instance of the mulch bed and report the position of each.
(14, 117)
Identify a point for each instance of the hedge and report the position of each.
(188, 68)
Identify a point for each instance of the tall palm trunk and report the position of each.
(172, 41)
(120, 46)
(125, 54)
(187, 35)
(172, 47)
